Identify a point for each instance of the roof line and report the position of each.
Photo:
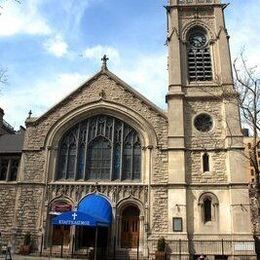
(87, 82)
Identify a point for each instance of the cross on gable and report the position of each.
(30, 114)
(104, 64)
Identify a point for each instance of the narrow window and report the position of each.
(207, 210)
(81, 162)
(117, 161)
(127, 161)
(63, 162)
(13, 170)
(3, 169)
(71, 161)
(205, 159)
(99, 158)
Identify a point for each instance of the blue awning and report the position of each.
(97, 206)
(77, 218)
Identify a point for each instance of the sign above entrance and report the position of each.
(77, 218)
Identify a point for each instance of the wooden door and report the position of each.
(60, 234)
(130, 227)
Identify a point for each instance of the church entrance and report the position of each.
(60, 235)
(130, 227)
(87, 239)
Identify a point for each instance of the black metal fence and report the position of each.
(220, 248)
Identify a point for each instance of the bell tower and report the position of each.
(205, 145)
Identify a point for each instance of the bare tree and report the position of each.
(247, 84)
(3, 75)
(2, 4)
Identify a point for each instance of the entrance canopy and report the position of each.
(78, 218)
(94, 210)
(96, 206)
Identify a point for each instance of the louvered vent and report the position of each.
(199, 62)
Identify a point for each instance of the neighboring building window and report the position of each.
(205, 160)
(100, 148)
(8, 168)
(199, 58)
(208, 203)
(203, 122)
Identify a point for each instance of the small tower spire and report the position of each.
(30, 114)
(104, 62)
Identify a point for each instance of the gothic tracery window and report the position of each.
(199, 57)
(100, 148)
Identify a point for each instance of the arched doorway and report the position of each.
(130, 227)
(59, 234)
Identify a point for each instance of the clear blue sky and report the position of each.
(51, 46)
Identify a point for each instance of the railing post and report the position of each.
(114, 253)
(62, 240)
(73, 242)
(222, 246)
(51, 248)
(180, 249)
(41, 248)
(138, 248)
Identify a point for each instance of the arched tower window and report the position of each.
(199, 58)
(208, 203)
(205, 162)
(100, 148)
(207, 210)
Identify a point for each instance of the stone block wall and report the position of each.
(29, 207)
(33, 167)
(160, 210)
(215, 138)
(217, 173)
(7, 210)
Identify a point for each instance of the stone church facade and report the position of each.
(177, 173)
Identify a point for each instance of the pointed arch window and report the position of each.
(199, 57)
(100, 148)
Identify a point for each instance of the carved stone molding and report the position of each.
(115, 193)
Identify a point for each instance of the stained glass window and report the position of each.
(100, 148)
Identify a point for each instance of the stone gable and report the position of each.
(102, 88)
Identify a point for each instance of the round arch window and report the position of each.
(203, 122)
